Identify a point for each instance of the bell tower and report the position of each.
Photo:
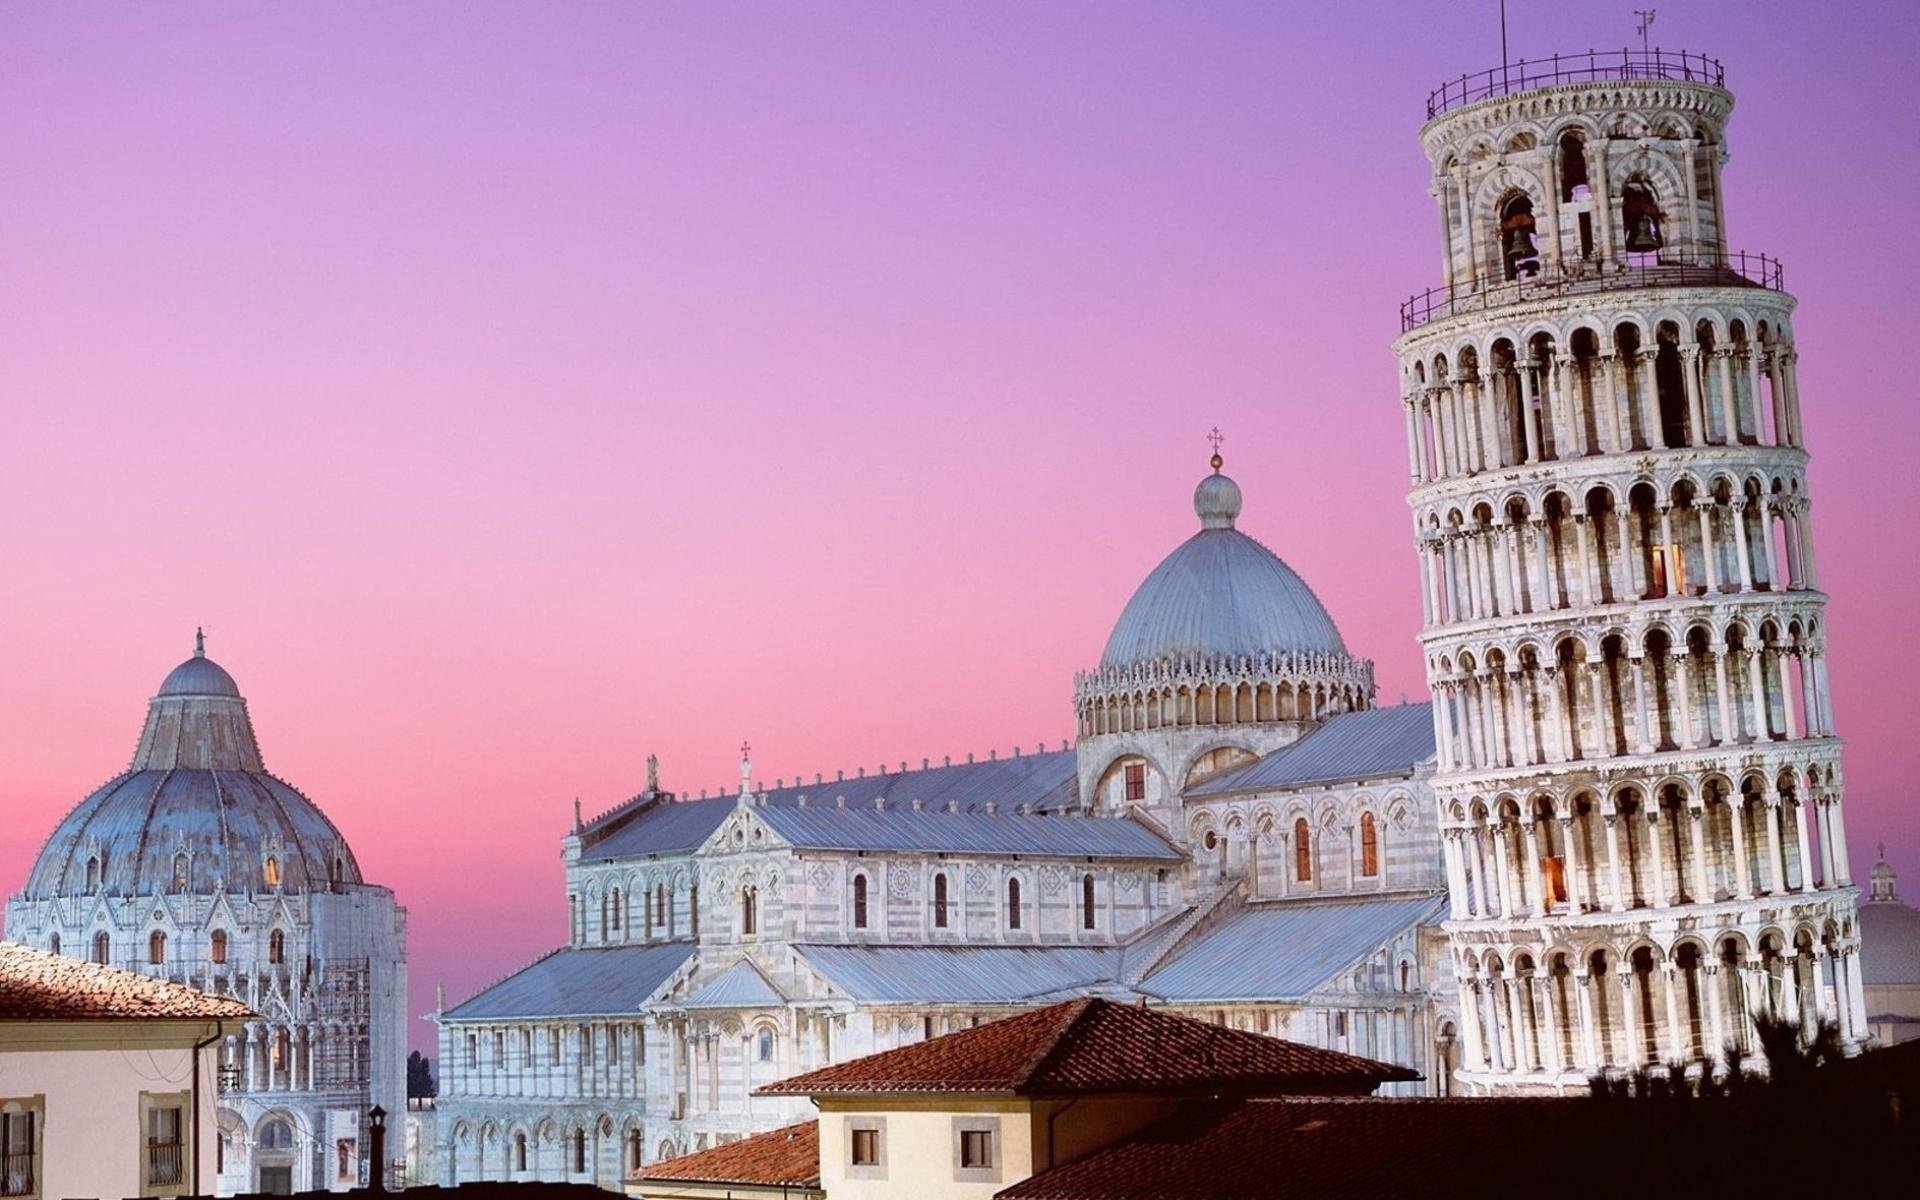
(1639, 782)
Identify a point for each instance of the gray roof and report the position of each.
(196, 785)
(1358, 745)
(1285, 949)
(739, 986)
(967, 832)
(223, 819)
(963, 974)
(1220, 593)
(595, 981)
(199, 676)
(662, 826)
(1889, 943)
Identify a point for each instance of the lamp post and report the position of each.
(377, 1149)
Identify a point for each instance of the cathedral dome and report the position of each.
(196, 810)
(1220, 594)
(199, 676)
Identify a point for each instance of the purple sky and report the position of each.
(514, 390)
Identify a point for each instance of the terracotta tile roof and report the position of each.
(1366, 1147)
(39, 985)
(788, 1156)
(1093, 1045)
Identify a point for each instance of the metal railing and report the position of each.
(16, 1172)
(1523, 76)
(165, 1164)
(1698, 269)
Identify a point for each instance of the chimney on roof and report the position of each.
(925, 763)
(993, 755)
(903, 766)
(816, 779)
(953, 806)
(917, 805)
(879, 804)
(861, 773)
(1016, 752)
(1063, 743)
(838, 776)
(946, 760)
(992, 807)
(969, 758)
(802, 802)
(1025, 810)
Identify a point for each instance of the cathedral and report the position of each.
(198, 866)
(1613, 837)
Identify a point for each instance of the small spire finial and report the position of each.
(1215, 437)
(746, 768)
(199, 642)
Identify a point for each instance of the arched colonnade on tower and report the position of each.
(1711, 376)
(1720, 680)
(1637, 845)
(1580, 1003)
(1686, 532)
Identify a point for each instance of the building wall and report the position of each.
(333, 1041)
(88, 1080)
(918, 1148)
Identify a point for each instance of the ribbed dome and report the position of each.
(1220, 593)
(196, 788)
(199, 676)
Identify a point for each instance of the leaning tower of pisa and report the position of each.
(1639, 780)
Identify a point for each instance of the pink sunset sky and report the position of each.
(516, 390)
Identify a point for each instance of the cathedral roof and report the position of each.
(1220, 594)
(1285, 950)
(578, 981)
(1355, 745)
(962, 974)
(196, 786)
(741, 985)
(662, 825)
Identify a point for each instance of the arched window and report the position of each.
(1573, 164)
(1369, 846)
(635, 1150)
(157, 947)
(519, 1151)
(613, 903)
(179, 872)
(93, 874)
(53, 944)
(274, 1134)
(100, 948)
(660, 907)
(748, 916)
(940, 901)
(763, 1045)
(270, 871)
(336, 871)
(276, 947)
(282, 1049)
(1302, 851)
(1013, 904)
(693, 908)
(859, 901)
(217, 945)
(1086, 901)
(579, 1151)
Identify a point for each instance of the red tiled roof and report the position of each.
(1333, 1149)
(788, 1156)
(40, 985)
(1093, 1045)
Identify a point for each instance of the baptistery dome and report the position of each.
(1220, 594)
(195, 812)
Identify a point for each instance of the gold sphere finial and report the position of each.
(1217, 462)
(1216, 437)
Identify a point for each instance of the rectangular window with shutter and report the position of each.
(164, 1151)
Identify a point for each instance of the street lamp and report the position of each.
(377, 1148)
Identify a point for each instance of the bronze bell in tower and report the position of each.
(1643, 233)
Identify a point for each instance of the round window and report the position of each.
(1212, 840)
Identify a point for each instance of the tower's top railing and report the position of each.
(1523, 76)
